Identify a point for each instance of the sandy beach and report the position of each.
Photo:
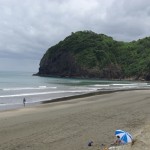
(69, 125)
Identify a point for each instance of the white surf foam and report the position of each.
(101, 85)
(42, 93)
(28, 88)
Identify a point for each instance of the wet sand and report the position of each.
(69, 125)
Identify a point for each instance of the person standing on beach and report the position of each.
(24, 102)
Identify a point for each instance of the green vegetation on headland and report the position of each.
(85, 54)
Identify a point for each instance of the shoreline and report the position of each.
(98, 92)
(110, 79)
(71, 124)
(68, 98)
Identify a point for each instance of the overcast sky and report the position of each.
(29, 27)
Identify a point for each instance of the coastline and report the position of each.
(89, 94)
(67, 98)
(36, 89)
(71, 124)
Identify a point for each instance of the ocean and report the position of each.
(17, 85)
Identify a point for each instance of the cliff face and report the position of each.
(65, 65)
(90, 55)
(61, 64)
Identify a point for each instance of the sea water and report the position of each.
(15, 86)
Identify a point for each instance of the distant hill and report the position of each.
(85, 54)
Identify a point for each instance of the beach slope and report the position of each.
(69, 125)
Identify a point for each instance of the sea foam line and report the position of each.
(42, 93)
(28, 88)
(101, 85)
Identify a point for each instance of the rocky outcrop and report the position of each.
(65, 65)
(85, 54)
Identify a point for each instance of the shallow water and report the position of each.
(14, 86)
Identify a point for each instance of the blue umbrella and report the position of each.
(124, 136)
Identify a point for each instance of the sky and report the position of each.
(29, 27)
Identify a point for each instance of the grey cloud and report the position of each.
(24, 64)
(129, 19)
(28, 28)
